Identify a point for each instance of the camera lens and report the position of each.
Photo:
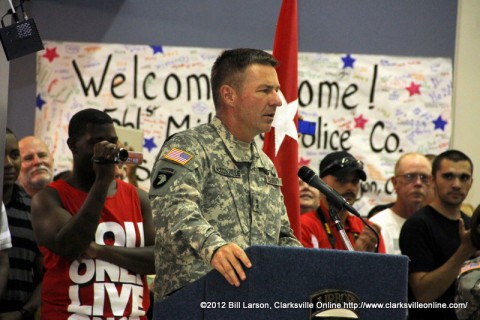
(122, 155)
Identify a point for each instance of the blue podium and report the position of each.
(298, 283)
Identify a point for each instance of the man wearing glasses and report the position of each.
(342, 172)
(412, 183)
(437, 239)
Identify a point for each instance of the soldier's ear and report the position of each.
(228, 94)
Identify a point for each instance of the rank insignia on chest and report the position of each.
(178, 156)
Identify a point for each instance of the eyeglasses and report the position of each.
(344, 162)
(412, 177)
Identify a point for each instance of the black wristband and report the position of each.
(102, 160)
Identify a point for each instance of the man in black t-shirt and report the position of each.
(437, 239)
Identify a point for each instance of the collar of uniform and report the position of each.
(240, 151)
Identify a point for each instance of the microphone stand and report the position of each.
(334, 215)
(356, 213)
(307, 175)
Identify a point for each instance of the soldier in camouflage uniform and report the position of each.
(213, 190)
(467, 294)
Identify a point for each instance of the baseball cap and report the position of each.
(340, 164)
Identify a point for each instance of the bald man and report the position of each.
(37, 165)
(412, 183)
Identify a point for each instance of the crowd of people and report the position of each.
(83, 243)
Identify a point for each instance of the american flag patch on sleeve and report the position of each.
(178, 156)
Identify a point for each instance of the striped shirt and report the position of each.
(23, 252)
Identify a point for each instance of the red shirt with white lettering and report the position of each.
(93, 288)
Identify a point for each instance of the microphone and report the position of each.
(309, 176)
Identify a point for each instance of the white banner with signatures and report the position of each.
(375, 107)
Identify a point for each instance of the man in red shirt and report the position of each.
(95, 232)
(341, 171)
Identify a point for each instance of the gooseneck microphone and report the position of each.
(309, 176)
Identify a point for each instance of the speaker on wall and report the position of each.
(21, 37)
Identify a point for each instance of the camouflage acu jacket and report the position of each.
(208, 189)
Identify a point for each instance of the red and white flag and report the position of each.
(281, 143)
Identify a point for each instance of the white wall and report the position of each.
(466, 94)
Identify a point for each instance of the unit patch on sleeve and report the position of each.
(178, 156)
(163, 176)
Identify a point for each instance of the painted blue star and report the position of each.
(40, 102)
(348, 61)
(439, 123)
(157, 49)
(149, 144)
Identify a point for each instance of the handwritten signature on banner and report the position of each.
(375, 107)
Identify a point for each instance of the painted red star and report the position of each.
(414, 88)
(360, 122)
(303, 162)
(51, 54)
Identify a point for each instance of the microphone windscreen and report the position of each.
(306, 174)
